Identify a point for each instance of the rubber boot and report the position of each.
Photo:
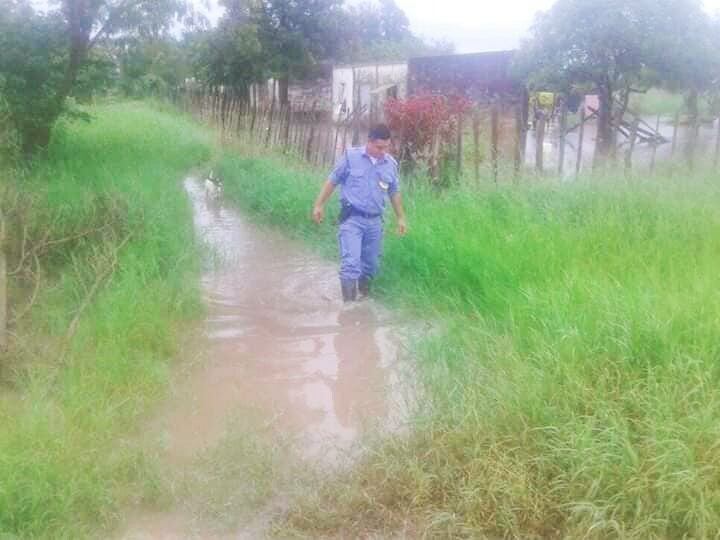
(364, 287)
(349, 290)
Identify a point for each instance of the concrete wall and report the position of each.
(356, 85)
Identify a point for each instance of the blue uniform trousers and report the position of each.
(360, 240)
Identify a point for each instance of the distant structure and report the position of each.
(477, 76)
(366, 88)
(360, 91)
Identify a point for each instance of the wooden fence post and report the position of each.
(336, 129)
(271, 116)
(563, 133)
(476, 144)
(653, 156)
(459, 149)
(286, 130)
(224, 105)
(311, 135)
(631, 146)
(241, 116)
(676, 125)
(581, 137)
(253, 118)
(330, 143)
(434, 156)
(520, 139)
(295, 140)
(539, 141)
(345, 131)
(495, 139)
(691, 143)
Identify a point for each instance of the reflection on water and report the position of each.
(277, 343)
(278, 340)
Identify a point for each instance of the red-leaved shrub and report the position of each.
(416, 120)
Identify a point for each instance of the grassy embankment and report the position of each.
(109, 242)
(575, 392)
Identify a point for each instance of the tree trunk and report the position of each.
(605, 128)
(691, 101)
(35, 138)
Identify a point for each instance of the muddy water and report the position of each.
(642, 154)
(277, 341)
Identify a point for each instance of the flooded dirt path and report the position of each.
(277, 341)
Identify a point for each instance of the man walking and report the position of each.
(367, 175)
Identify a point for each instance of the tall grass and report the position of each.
(574, 393)
(67, 460)
(657, 102)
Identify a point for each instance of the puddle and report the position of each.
(277, 340)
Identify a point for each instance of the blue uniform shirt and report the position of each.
(365, 185)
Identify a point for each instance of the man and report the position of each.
(366, 176)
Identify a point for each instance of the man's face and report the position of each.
(378, 148)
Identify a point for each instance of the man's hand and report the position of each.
(401, 227)
(396, 200)
(318, 214)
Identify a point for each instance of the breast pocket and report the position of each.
(355, 186)
(384, 183)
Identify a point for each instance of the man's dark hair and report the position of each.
(379, 131)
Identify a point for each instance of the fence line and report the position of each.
(309, 131)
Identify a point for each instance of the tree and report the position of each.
(43, 54)
(381, 32)
(615, 48)
(31, 68)
(295, 34)
(256, 39)
(230, 55)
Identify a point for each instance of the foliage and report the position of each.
(44, 54)
(64, 407)
(615, 48)
(657, 101)
(151, 67)
(419, 119)
(229, 55)
(294, 34)
(374, 32)
(287, 39)
(98, 76)
(32, 64)
(9, 144)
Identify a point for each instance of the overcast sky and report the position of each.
(473, 25)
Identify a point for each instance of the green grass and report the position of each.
(69, 456)
(574, 392)
(230, 486)
(657, 102)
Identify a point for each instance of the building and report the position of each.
(476, 76)
(366, 87)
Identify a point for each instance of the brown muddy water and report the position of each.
(277, 341)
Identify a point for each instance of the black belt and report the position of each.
(347, 210)
(356, 212)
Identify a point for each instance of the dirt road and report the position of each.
(279, 345)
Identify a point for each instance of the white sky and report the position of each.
(473, 25)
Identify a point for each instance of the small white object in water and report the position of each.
(213, 187)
